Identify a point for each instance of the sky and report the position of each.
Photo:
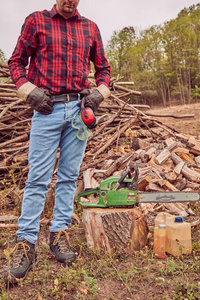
(109, 15)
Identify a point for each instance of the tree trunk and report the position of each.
(115, 229)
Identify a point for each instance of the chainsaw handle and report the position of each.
(127, 172)
(135, 179)
(119, 182)
(87, 192)
(134, 183)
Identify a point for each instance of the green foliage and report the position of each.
(196, 92)
(119, 50)
(2, 56)
(161, 59)
(186, 291)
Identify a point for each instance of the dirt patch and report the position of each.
(189, 126)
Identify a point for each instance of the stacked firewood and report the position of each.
(126, 136)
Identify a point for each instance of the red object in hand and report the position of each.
(89, 118)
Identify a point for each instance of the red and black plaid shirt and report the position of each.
(60, 52)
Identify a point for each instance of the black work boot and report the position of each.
(23, 257)
(59, 247)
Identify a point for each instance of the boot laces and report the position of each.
(62, 239)
(18, 252)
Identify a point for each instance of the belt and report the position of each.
(63, 98)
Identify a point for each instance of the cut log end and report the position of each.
(115, 229)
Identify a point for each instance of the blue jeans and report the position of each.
(48, 133)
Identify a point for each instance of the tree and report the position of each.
(153, 58)
(182, 38)
(119, 51)
(2, 56)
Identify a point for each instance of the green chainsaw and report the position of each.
(123, 191)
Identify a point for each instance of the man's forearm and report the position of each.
(18, 72)
(102, 76)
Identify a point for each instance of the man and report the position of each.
(60, 44)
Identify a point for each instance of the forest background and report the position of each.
(163, 61)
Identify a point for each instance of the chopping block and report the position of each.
(115, 229)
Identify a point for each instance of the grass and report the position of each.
(96, 275)
(137, 276)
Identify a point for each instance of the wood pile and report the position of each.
(125, 136)
(15, 118)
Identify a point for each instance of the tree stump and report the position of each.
(111, 229)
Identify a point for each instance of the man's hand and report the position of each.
(93, 98)
(37, 98)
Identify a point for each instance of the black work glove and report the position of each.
(39, 99)
(92, 98)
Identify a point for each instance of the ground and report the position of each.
(189, 126)
(98, 276)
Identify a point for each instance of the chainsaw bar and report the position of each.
(167, 197)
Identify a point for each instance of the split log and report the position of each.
(140, 143)
(176, 209)
(89, 181)
(115, 229)
(197, 160)
(169, 141)
(153, 187)
(181, 184)
(186, 157)
(167, 185)
(195, 142)
(181, 150)
(162, 157)
(193, 145)
(117, 163)
(153, 164)
(178, 167)
(187, 172)
(149, 153)
(170, 176)
(143, 182)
